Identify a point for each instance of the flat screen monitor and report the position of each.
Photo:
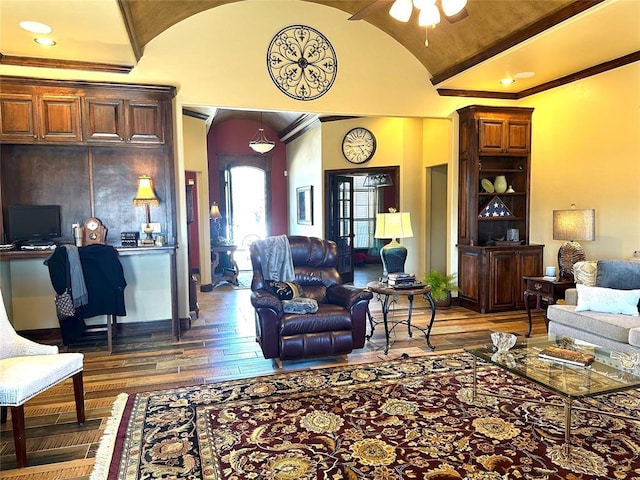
(36, 223)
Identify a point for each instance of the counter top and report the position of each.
(123, 251)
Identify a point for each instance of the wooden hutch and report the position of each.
(494, 141)
(83, 145)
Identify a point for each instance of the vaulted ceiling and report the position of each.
(558, 40)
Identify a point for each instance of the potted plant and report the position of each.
(441, 287)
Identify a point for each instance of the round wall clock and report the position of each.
(358, 145)
(302, 62)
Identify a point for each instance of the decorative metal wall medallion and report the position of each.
(302, 63)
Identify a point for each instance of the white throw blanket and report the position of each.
(275, 254)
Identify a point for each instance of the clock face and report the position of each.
(92, 225)
(358, 145)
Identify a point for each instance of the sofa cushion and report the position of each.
(634, 337)
(584, 272)
(608, 325)
(619, 274)
(607, 300)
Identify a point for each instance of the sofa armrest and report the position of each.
(571, 296)
(347, 295)
(263, 299)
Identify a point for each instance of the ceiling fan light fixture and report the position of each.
(452, 7)
(420, 4)
(401, 10)
(430, 15)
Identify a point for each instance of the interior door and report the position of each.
(340, 225)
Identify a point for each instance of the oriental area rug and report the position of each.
(404, 419)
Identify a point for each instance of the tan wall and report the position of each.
(586, 150)
(195, 160)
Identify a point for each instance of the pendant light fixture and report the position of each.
(259, 143)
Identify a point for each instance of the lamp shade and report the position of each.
(146, 195)
(401, 10)
(574, 224)
(214, 213)
(393, 225)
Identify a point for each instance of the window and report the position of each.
(365, 207)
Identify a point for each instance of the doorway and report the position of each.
(245, 202)
(351, 210)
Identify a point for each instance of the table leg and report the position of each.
(567, 426)
(385, 312)
(528, 306)
(410, 297)
(371, 323)
(432, 304)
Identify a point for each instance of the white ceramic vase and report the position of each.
(500, 184)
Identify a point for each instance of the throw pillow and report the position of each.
(620, 274)
(300, 305)
(607, 300)
(284, 290)
(584, 272)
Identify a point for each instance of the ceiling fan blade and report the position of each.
(372, 7)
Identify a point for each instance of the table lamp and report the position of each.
(393, 225)
(216, 216)
(572, 225)
(146, 196)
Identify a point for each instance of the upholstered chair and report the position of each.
(27, 369)
(336, 328)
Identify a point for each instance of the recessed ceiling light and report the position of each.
(35, 27)
(508, 81)
(46, 42)
(524, 75)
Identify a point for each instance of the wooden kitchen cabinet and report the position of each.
(493, 142)
(28, 118)
(82, 114)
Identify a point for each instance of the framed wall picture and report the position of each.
(305, 205)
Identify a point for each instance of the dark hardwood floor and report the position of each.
(220, 345)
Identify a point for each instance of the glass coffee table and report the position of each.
(569, 382)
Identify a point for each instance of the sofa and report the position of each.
(603, 308)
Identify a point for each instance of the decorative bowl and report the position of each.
(503, 341)
(487, 185)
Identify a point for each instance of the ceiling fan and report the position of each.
(379, 4)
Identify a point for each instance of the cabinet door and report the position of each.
(103, 120)
(491, 132)
(503, 272)
(144, 122)
(60, 118)
(518, 138)
(17, 117)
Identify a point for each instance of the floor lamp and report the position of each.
(572, 225)
(393, 225)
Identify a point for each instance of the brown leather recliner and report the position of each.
(339, 325)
